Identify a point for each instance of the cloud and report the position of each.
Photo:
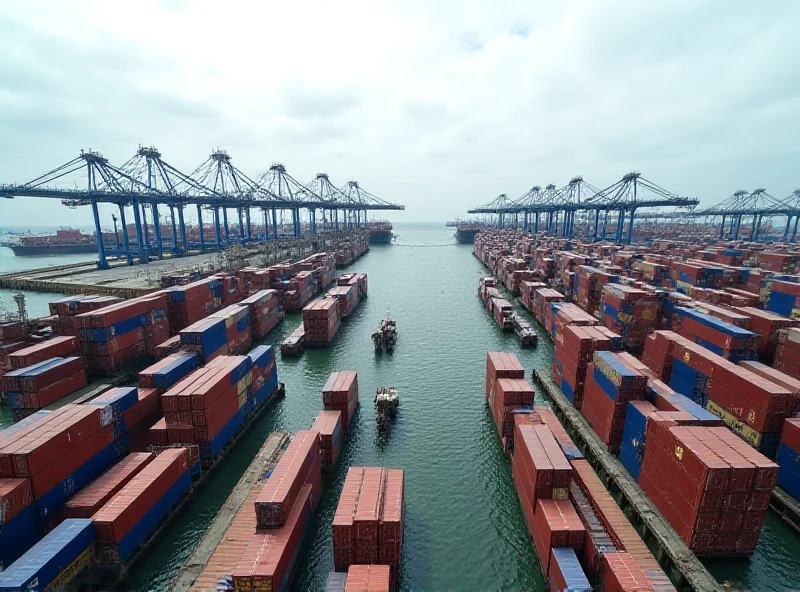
(440, 106)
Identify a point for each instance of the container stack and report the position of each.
(779, 262)
(556, 526)
(237, 327)
(95, 495)
(787, 352)
(768, 326)
(789, 458)
(297, 291)
(542, 301)
(346, 297)
(207, 337)
(712, 488)
(541, 472)
(507, 391)
(41, 352)
(367, 578)
(114, 335)
(54, 562)
(265, 312)
(590, 286)
(629, 312)
(66, 310)
(192, 302)
(283, 514)
(32, 388)
(368, 524)
(210, 405)
(570, 314)
(610, 384)
(321, 321)
(329, 425)
(721, 337)
(170, 346)
(357, 280)
(265, 374)
(565, 571)
(340, 393)
(168, 371)
(573, 355)
(137, 509)
(44, 459)
(526, 292)
(141, 416)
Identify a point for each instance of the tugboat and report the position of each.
(386, 404)
(385, 337)
(525, 332)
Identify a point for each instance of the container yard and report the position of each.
(566, 451)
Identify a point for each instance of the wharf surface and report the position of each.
(785, 506)
(207, 545)
(678, 561)
(129, 281)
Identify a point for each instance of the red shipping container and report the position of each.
(368, 578)
(15, 496)
(268, 557)
(119, 515)
(621, 573)
(52, 348)
(158, 433)
(556, 524)
(95, 495)
(291, 473)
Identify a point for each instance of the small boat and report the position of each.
(386, 404)
(295, 343)
(385, 337)
(525, 332)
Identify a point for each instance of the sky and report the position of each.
(439, 106)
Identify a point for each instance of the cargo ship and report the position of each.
(466, 231)
(65, 241)
(380, 233)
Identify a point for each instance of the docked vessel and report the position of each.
(380, 233)
(466, 231)
(65, 241)
(385, 337)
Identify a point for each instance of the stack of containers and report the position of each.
(346, 297)
(357, 280)
(210, 405)
(712, 488)
(590, 286)
(95, 495)
(753, 407)
(768, 327)
(32, 388)
(789, 457)
(780, 262)
(192, 302)
(506, 391)
(367, 527)
(141, 416)
(58, 453)
(170, 346)
(283, 514)
(237, 327)
(556, 525)
(542, 301)
(321, 321)
(207, 337)
(621, 573)
(726, 313)
(610, 384)
(541, 472)
(787, 352)
(264, 371)
(782, 379)
(527, 290)
(113, 335)
(166, 372)
(297, 291)
(340, 393)
(742, 297)
(128, 518)
(66, 310)
(10, 330)
(55, 561)
(570, 314)
(572, 357)
(329, 425)
(264, 312)
(628, 311)
(503, 312)
(367, 578)
(631, 452)
(722, 338)
(41, 352)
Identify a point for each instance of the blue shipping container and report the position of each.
(18, 535)
(567, 563)
(42, 564)
(789, 476)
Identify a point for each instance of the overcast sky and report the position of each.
(436, 105)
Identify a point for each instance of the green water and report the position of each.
(464, 529)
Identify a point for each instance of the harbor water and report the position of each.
(464, 529)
